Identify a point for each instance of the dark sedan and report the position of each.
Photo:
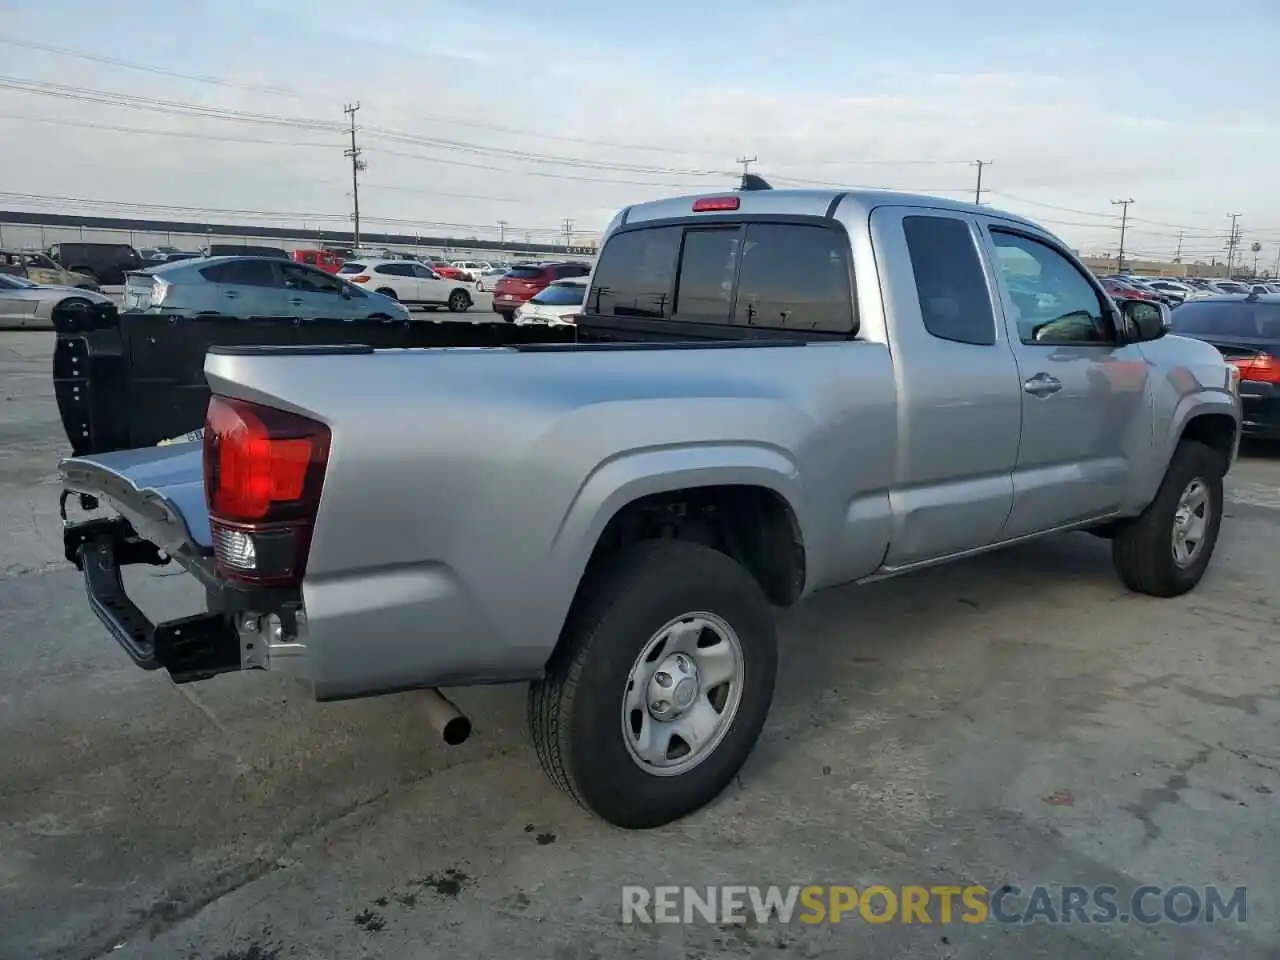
(1246, 330)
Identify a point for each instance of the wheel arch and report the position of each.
(741, 499)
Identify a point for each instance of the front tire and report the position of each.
(1165, 551)
(459, 301)
(613, 723)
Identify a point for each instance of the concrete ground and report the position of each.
(1017, 719)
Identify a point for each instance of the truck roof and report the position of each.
(812, 203)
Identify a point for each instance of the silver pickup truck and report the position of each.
(773, 392)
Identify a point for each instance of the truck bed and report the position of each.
(124, 380)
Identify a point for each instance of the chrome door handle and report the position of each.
(231, 294)
(1042, 385)
(296, 301)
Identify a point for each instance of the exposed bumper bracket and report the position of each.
(190, 648)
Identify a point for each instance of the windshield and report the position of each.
(561, 295)
(16, 283)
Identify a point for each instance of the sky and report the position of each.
(474, 112)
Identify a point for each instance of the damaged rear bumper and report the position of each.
(242, 629)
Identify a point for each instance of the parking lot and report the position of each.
(1017, 719)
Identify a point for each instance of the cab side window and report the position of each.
(1052, 302)
(955, 303)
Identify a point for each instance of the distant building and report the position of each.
(1104, 265)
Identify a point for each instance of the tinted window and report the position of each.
(795, 277)
(1233, 288)
(308, 258)
(708, 261)
(526, 273)
(244, 273)
(308, 280)
(420, 271)
(572, 270)
(636, 273)
(395, 269)
(1227, 319)
(954, 300)
(1051, 300)
(561, 294)
(352, 268)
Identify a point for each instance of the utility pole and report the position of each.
(1232, 241)
(977, 193)
(1124, 223)
(746, 165)
(568, 232)
(356, 166)
(1177, 255)
(502, 231)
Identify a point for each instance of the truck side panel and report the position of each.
(473, 484)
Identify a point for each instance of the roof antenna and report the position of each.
(751, 181)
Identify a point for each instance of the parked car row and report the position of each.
(254, 287)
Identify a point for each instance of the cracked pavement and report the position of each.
(1015, 719)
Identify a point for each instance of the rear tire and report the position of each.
(585, 726)
(459, 301)
(1154, 553)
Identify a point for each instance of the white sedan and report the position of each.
(27, 305)
(557, 304)
(410, 282)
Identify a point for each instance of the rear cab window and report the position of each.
(726, 279)
(955, 303)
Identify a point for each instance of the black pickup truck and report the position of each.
(124, 380)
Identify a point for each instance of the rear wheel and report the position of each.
(459, 301)
(1165, 551)
(660, 686)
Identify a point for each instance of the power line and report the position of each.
(131, 65)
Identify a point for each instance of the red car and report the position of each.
(326, 260)
(522, 283)
(447, 271)
(1121, 290)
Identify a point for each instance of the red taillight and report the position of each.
(1262, 368)
(708, 204)
(263, 470)
(360, 279)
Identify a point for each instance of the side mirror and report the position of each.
(1145, 320)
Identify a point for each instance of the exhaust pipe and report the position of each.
(450, 722)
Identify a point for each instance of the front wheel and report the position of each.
(1165, 551)
(660, 686)
(459, 301)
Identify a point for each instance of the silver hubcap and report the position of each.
(1190, 522)
(682, 694)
